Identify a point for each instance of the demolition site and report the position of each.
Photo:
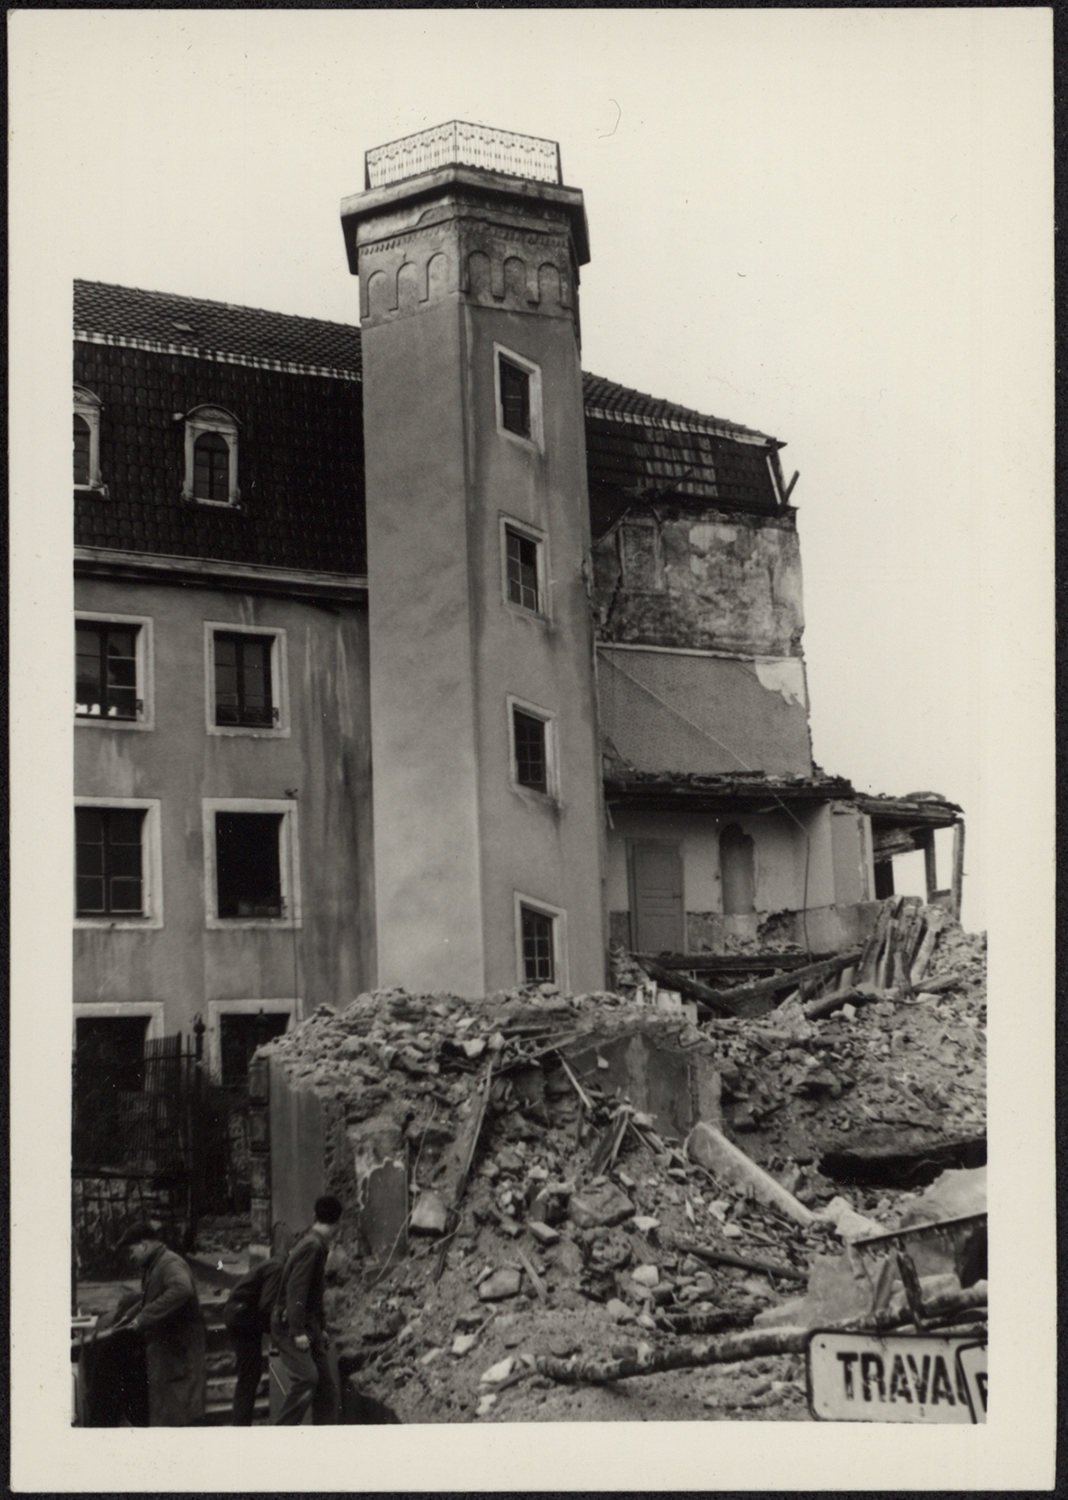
(454, 875)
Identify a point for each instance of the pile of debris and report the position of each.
(559, 1229)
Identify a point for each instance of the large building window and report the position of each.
(112, 670)
(106, 671)
(251, 862)
(245, 668)
(236, 1029)
(248, 864)
(210, 456)
(243, 680)
(109, 879)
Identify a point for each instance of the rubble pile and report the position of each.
(554, 1225)
(890, 1071)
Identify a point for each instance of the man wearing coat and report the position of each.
(169, 1318)
(298, 1323)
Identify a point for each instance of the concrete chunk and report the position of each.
(605, 1205)
(503, 1283)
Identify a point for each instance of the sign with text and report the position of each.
(902, 1377)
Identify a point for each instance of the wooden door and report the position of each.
(657, 918)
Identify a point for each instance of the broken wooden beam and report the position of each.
(730, 963)
(686, 986)
(762, 988)
(746, 1262)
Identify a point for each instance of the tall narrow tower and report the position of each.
(487, 802)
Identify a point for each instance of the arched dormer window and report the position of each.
(210, 456)
(86, 440)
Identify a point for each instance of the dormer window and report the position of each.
(86, 440)
(210, 456)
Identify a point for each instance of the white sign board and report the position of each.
(863, 1377)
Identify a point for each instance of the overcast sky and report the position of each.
(826, 225)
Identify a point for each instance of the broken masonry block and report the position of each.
(429, 1216)
(605, 1205)
(503, 1283)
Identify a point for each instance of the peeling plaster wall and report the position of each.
(679, 711)
(714, 580)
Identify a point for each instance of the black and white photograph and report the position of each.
(558, 573)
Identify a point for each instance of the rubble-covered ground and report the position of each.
(566, 1246)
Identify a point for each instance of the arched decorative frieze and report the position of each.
(439, 277)
(550, 291)
(480, 282)
(380, 289)
(411, 286)
(516, 289)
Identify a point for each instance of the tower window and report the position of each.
(243, 691)
(108, 861)
(521, 568)
(518, 394)
(515, 397)
(536, 927)
(531, 759)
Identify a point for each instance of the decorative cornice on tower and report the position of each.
(459, 143)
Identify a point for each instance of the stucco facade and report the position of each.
(311, 771)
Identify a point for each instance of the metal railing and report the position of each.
(460, 144)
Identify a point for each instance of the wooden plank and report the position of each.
(731, 963)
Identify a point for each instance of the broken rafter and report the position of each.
(747, 1263)
(763, 988)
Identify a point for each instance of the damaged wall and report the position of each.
(725, 580)
(817, 860)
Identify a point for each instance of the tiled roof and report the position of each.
(606, 398)
(194, 326)
(147, 355)
(300, 461)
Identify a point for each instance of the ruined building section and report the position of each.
(720, 819)
(487, 802)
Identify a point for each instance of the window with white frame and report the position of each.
(87, 408)
(533, 749)
(210, 456)
(252, 874)
(117, 866)
(523, 566)
(112, 672)
(541, 942)
(237, 1028)
(517, 387)
(247, 679)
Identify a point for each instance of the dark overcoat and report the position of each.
(173, 1327)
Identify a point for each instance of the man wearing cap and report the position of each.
(298, 1323)
(169, 1318)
